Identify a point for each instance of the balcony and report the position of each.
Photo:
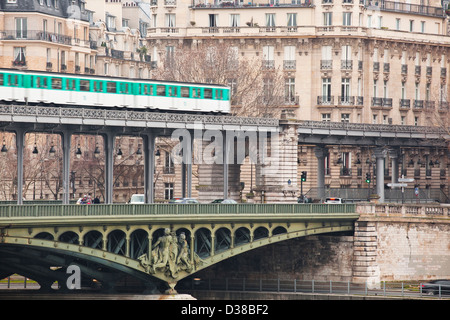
(36, 35)
(386, 67)
(359, 101)
(418, 104)
(289, 65)
(325, 100)
(404, 68)
(429, 71)
(63, 67)
(443, 106)
(443, 72)
(377, 102)
(346, 100)
(268, 64)
(49, 66)
(429, 104)
(376, 66)
(346, 64)
(402, 7)
(387, 102)
(19, 63)
(345, 172)
(326, 64)
(417, 70)
(405, 103)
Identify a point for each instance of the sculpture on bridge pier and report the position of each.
(169, 255)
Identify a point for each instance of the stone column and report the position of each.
(109, 140)
(276, 170)
(66, 145)
(393, 154)
(380, 154)
(320, 152)
(149, 167)
(20, 138)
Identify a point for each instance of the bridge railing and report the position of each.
(35, 210)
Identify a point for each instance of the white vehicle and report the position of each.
(137, 198)
(334, 200)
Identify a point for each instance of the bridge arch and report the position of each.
(222, 239)
(117, 242)
(278, 230)
(202, 242)
(44, 236)
(260, 233)
(69, 237)
(242, 236)
(93, 239)
(139, 243)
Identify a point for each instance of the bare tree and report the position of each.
(257, 89)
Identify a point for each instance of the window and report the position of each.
(326, 117)
(207, 93)
(402, 120)
(416, 121)
(161, 90)
(411, 25)
(169, 55)
(403, 90)
(98, 86)
(21, 28)
(397, 24)
(111, 87)
(172, 91)
(289, 90)
(184, 92)
(345, 117)
(347, 19)
(345, 90)
(385, 89)
(291, 20)
(41, 82)
(170, 20)
(19, 56)
(375, 88)
(326, 89)
(327, 19)
(168, 163)
(422, 26)
(374, 119)
(56, 83)
(213, 20)
(196, 92)
(70, 84)
(270, 19)
(84, 85)
(268, 57)
(168, 191)
(234, 20)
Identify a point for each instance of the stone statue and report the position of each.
(170, 254)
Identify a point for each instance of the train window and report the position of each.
(161, 90)
(172, 91)
(184, 92)
(70, 84)
(98, 86)
(148, 89)
(41, 82)
(1, 79)
(85, 85)
(124, 87)
(207, 93)
(111, 87)
(196, 92)
(219, 95)
(56, 83)
(13, 80)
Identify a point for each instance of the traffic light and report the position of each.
(368, 177)
(303, 177)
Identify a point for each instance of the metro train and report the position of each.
(64, 89)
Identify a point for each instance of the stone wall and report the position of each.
(381, 249)
(312, 257)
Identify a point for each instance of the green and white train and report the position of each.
(48, 88)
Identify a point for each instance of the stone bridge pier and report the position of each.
(274, 154)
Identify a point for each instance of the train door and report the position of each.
(14, 82)
(70, 87)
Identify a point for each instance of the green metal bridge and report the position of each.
(155, 243)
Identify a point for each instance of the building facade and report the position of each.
(377, 62)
